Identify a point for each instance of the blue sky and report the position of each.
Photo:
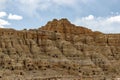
(100, 15)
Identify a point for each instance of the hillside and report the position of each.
(59, 50)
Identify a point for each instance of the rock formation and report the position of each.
(59, 51)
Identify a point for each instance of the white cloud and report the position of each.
(14, 17)
(90, 17)
(114, 19)
(3, 23)
(3, 14)
(103, 24)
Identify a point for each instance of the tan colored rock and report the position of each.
(59, 51)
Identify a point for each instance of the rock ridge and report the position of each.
(59, 51)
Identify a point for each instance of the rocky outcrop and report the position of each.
(59, 51)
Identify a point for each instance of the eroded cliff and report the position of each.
(59, 51)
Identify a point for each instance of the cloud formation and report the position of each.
(3, 14)
(4, 22)
(90, 17)
(114, 19)
(103, 24)
(45, 10)
(14, 17)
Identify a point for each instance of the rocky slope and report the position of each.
(59, 51)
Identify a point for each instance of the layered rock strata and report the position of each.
(59, 51)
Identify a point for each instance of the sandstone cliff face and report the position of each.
(59, 51)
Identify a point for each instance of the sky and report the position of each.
(98, 15)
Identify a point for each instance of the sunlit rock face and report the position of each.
(59, 51)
